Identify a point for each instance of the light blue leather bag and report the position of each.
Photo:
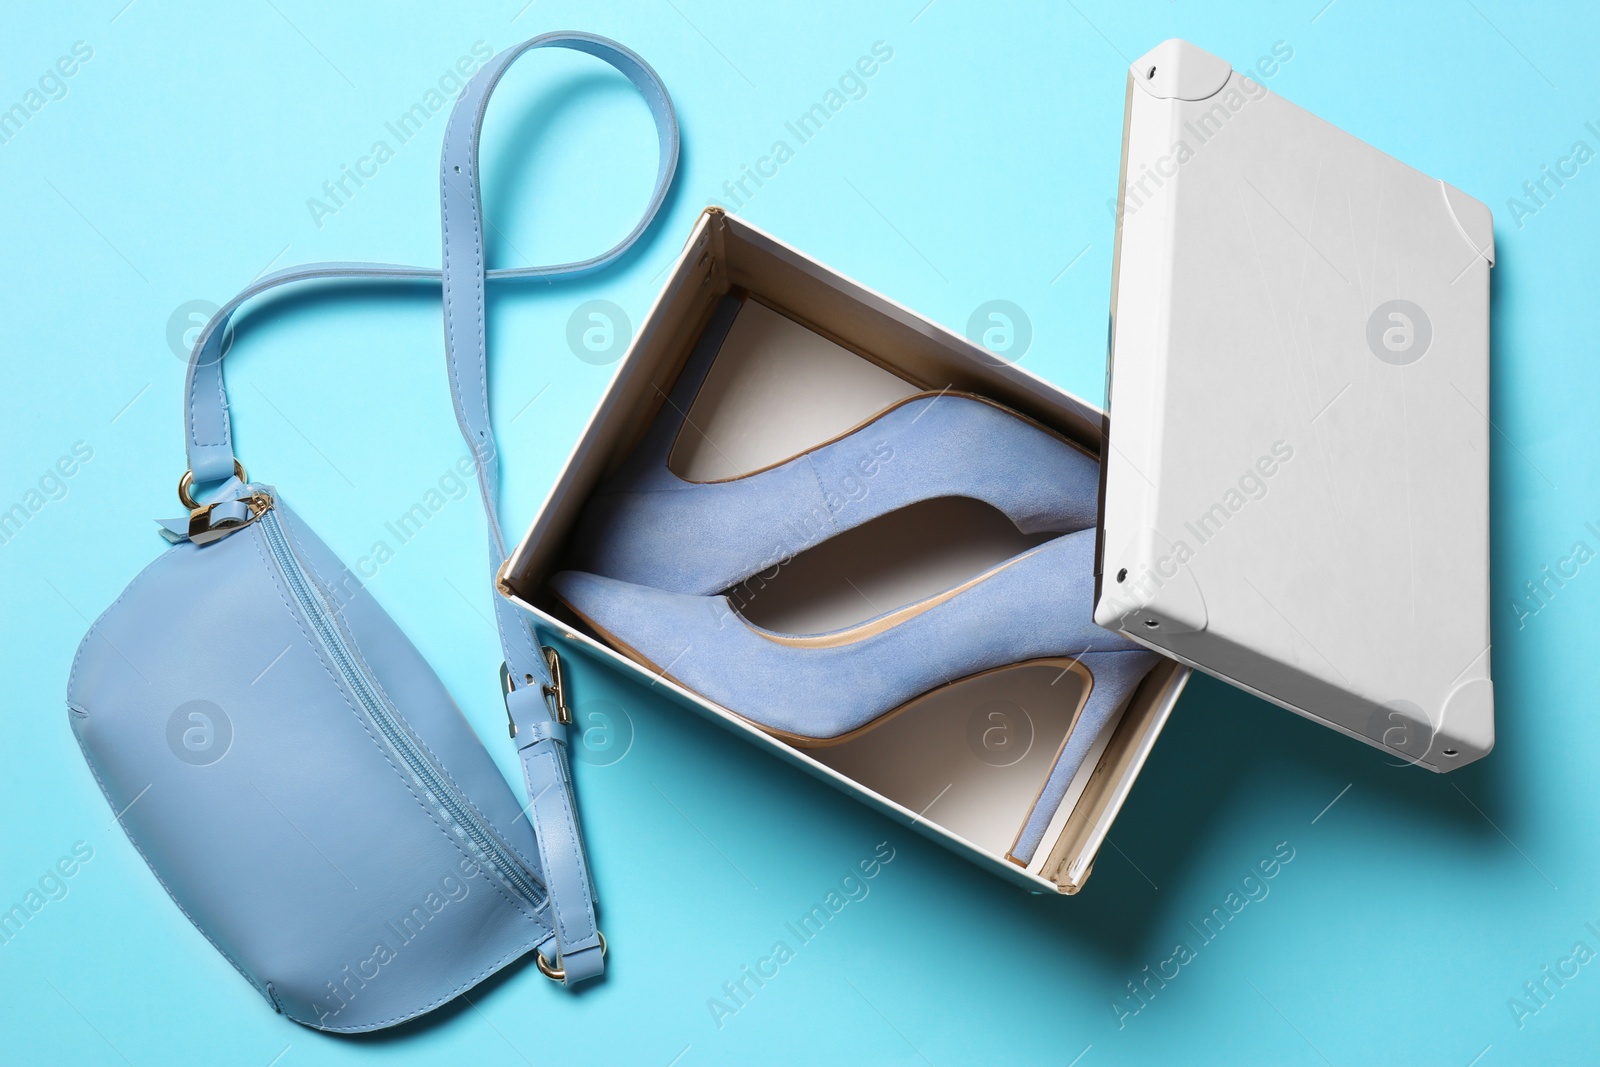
(287, 763)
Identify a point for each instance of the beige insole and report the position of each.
(899, 559)
(972, 756)
(775, 390)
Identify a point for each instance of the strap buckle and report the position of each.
(555, 694)
(555, 691)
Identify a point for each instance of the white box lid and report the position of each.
(1297, 469)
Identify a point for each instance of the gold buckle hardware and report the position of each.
(555, 693)
(559, 973)
(186, 486)
(202, 531)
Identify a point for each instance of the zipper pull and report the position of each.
(213, 522)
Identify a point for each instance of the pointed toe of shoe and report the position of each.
(578, 588)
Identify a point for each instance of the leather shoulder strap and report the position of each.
(536, 715)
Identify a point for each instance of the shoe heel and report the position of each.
(647, 464)
(1113, 676)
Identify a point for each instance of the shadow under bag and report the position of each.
(285, 760)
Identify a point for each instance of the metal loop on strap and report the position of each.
(556, 972)
(186, 485)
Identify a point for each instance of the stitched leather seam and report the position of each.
(479, 262)
(454, 361)
(257, 540)
(72, 677)
(560, 914)
(516, 953)
(486, 468)
(226, 426)
(669, 139)
(643, 79)
(194, 405)
(523, 629)
(134, 841)
(438, 763)
(822, 493)
(575, 821)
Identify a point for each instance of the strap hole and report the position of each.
(1152, 71)
(1122, 575)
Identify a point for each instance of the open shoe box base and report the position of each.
(725, 254)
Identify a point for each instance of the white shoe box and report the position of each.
(1295, 489)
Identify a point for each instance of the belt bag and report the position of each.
(285, 760)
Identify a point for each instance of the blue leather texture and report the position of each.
(464, 278)
(1036, 605)
(647, 526)
(304, 844)
(547, 776)
(287, 763)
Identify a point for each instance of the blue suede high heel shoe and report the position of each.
(820, 689)
(648, 526)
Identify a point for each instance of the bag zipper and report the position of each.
(455, 808)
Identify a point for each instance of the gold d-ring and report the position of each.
(187, 482)
(559, 974)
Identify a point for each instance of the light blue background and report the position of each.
(178, 166)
